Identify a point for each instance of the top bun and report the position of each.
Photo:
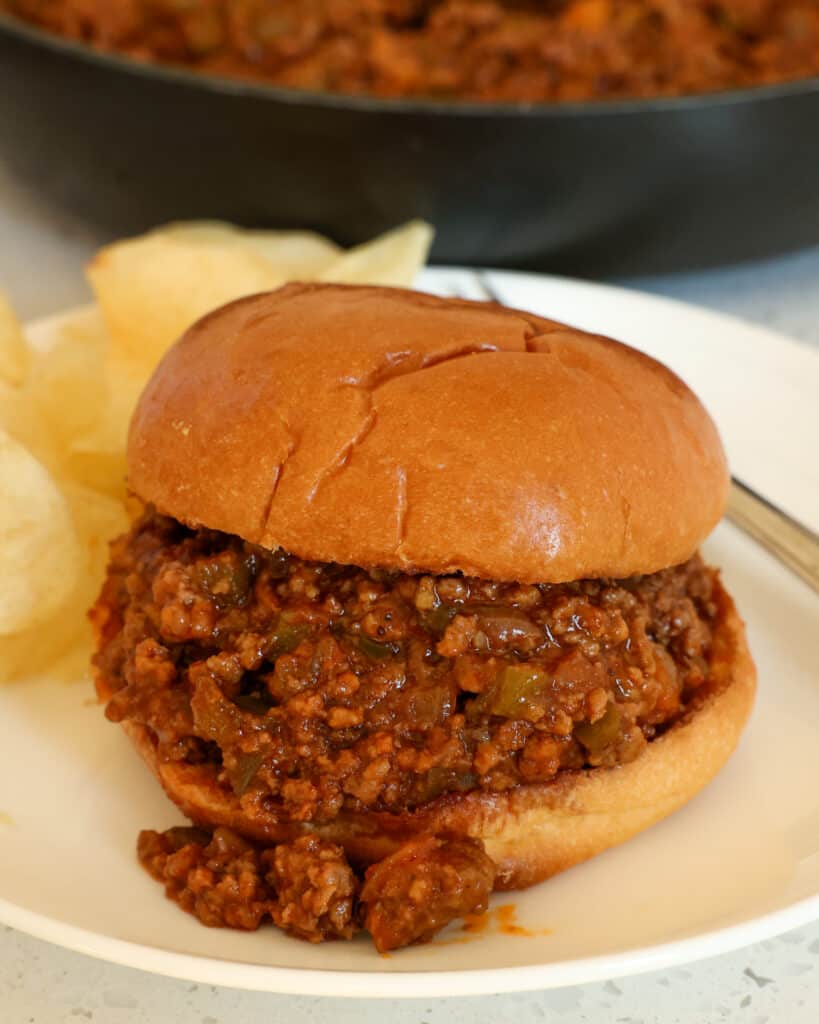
(383, 427)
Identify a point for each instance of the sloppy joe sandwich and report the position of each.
(414, 609)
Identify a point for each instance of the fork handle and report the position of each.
(788, 540)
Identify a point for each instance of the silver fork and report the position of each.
(784, 537)
(791, 542)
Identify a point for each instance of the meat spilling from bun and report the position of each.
(416, 589)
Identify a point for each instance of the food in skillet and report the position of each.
(414, 609)
(504, 50)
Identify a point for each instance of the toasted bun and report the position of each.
(531, 832)
(381, 427)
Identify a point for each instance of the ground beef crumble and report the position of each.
(415, 892)
(305, 887)
(219, 878)
(315, 888)
(308, 889)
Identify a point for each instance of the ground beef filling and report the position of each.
(504, 50)
(411, 895)
(312, 689)
(308, 889)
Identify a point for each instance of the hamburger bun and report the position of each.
(382, 427)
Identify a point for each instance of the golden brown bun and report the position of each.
(381, 427)
(531, 832)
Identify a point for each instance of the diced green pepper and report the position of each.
(514, 693)
(284, 639)
(438, 619)
(375, 649)
(252, 702)
(244, 771)
(596, 736)
(446, 780)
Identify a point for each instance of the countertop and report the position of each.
(42, 251)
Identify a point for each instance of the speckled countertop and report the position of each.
(773, 982)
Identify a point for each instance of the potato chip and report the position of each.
(97, 457)
(97, 519)
(39, 547)
(150, 289)
(126, 381)
(24, 421)
(392, 259)
(14, 355)
(296, 255)
(26, 653)
(102, 471)
(301, 255)
(66, 383)
(84, 325)
(218, 232)
(64, 392)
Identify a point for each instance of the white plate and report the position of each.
(739, 863)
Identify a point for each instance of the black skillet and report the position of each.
(592, 189)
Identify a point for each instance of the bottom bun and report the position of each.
(531, 832)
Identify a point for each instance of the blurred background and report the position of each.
(588, 137)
